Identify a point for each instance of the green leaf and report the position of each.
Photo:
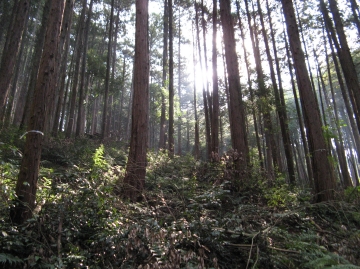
(8, 258)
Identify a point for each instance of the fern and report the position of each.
(330, 260)
(10, 259)
(345, 266)
(98, 158)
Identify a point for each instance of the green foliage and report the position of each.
(9, 168)
(99, 162)
(281, 194)
(352, 194)
(9, 259)
(305, 243)
(8, 176)
(193, 214)
(96, 63)
(328, 132)
(329, 260)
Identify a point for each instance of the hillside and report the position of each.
(192, 215)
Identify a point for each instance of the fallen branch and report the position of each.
(285, 250)
(252, 244)
(239, 245)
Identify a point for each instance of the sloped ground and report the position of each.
(193, 215)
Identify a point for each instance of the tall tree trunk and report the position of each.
(215, 90)
(113, 116)
(129, 116)
(164, 75)
(94, 116)
(282, 105)
(206, 111)
(11, 24)
(27, 180)
(20, 104)
(280, 108)
(79, 50)
(355, 13)
(306, 54)
(171, 80)
(303, 179)
(187, 132)
(66, 104)
(344, 55)
(15, 83)
(321, 87)
(5, 18)
(66, 27)
(271, 160)
(324, 180)
(80, 124)
(39, 44)
(206, 97)
(197, 137)
(179, 146)
(136, 166)
(354, 126)
(335, 124)
(251, 91)
(121, 132)
(10, 52)
(350, 142)
(237, 110)
(300, 117)
(105, 118)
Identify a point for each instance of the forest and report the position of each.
(179, 134)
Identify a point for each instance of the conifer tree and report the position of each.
(136, 165)
(26, 185)
(324, 180)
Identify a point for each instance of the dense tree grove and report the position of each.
(269, 87)
(93, 89)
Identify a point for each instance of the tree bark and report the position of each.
(300, 117)
(78, 51)
(10, 52)
(324, 180)
(5, 18)
(354, 125)
(344, 55)
(105, 123)
(197, 137)
(164, 75)
(280, 108)
(11, 102)
(205, 101)
(171, 81)
(271, 159)
(39, 43)
(113, 115)
(27, 180)
(215, 90)
(335, 124)
(121, 129)
(237, 111)
(355, 12)
(179, 146)
(136, 166)
(251, 91)
(80, 124)
(66, 27)
(206, 93)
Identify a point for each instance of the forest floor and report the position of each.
(192, 215)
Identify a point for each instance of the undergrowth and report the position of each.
(193, 215)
